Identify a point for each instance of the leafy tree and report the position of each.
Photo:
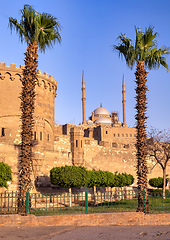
(123, 179)
(158, 149)
(110, 179)
(69, 176)
(144, 53)
(5, 174)
(157, 182)
(37, 30)
(97, 179)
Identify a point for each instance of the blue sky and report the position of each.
(89, 29)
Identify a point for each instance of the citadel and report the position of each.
(101, 142)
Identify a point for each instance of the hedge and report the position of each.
(69, 176)
(157, 182)
(75, 176)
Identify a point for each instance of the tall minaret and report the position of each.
(83, 100)
(124, 103)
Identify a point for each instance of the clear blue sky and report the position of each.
(89, 29)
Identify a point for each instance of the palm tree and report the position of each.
(144, 53)
(38, 30)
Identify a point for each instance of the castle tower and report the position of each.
(10, 114)
(83, 100)
(124, 103)
(77, 145)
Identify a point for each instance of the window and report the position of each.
(76, 143)
(118, 135)
(40, 136)
(35, 136)
(130, 135)
(106, 132)
(81, 144)
(114, 144)
(48, 137)
(122, 135)
(114, 135)
(126, 135)
(2, 132)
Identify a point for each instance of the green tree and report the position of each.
(144, 53)
(97, 178)
(5, 174)
(158, 182)
(37, 30)
(69, 176)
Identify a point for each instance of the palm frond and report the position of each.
(125, 49)
(144, 49)
(41, 28)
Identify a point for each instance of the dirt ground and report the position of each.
(86, 233)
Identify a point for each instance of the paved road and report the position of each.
(86, 233)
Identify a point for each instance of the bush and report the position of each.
(157, 182)
(69, 176)
(97, 178)
(73, 176)
(5, 174)
(122, 180)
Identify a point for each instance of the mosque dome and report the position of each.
(89, 121)
(101, 110)
(103, 120)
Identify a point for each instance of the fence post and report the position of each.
(144, 202)
(27, 202)
(86, 201)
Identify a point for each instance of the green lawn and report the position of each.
(156, 205)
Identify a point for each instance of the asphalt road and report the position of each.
(86, 233)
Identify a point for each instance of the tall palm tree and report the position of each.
(144, 53)
(38, 30)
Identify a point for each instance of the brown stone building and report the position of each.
(101, 142)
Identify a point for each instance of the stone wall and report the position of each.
(101, 219)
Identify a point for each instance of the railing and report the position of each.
(85, 202)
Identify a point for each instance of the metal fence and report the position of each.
(83, 202)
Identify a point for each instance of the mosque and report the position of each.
(101, 142)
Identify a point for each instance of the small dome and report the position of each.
(101, 110)
(89, 121)
(103, 120)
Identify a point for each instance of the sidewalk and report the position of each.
(86, 233)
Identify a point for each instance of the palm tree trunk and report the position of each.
(27, 108)
(141, 106)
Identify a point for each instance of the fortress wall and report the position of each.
(118, 134)
(9, 154)
(119, 159)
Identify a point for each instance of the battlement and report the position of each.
(12, 70)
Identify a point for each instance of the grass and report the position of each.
(105, 203)
(156, 205)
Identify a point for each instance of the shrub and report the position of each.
(123, 179)
(97, 178)
(69, 176)
(5, 174)
(157, 182)
(73, 176)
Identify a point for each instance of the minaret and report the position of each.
(83, 100)
(124, 103)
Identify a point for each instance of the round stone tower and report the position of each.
(10, 122)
